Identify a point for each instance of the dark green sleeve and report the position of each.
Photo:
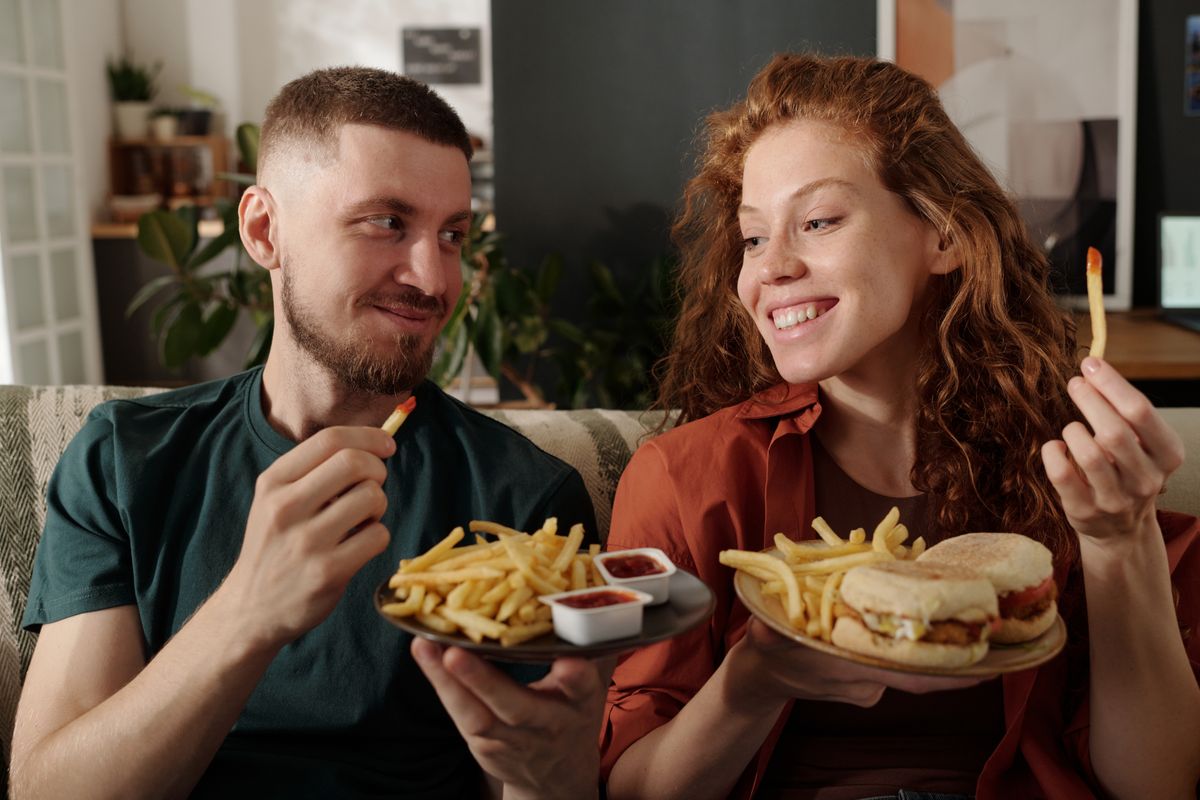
(83, 558)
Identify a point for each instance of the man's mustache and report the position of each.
(410, 298)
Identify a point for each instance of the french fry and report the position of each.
(879, 538)
(1095, 293)
(453, 576)
(494, 528)
(522, 633)
(397, 417)
(857, 536)
(738, 558)
(826, 533)
(435, 553)
(827, 597)
(918, 547)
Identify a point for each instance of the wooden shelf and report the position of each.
(209, 229)
(1142, 346)
(174, 141)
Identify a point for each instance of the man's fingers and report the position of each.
(359, 548)
(578, 679)
(365, 502)
(470, 715)
(317, 449)
(511, 703)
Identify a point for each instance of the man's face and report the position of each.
(369, 247)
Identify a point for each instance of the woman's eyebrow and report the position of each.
(807, 189)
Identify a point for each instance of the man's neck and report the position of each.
(300, 397)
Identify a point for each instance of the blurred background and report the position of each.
(127, 128)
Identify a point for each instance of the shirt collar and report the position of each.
(780, 400)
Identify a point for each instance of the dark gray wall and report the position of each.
(597, 105)
(1168, 142)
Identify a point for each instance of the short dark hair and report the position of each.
(312, 108)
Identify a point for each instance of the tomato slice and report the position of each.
(1025, 597)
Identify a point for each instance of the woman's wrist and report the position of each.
(747, 686)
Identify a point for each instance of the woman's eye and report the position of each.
(819, 224)
(751, 242)
(386, 222)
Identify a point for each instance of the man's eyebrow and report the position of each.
(377, 204)
(807, 189)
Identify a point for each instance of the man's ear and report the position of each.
(256, 216)
(946, 257)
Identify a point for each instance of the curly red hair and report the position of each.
(997, 350)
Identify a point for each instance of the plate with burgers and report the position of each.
(941, 614)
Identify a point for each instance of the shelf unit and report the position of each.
(183, 169)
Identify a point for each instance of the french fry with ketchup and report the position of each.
(1095, 292)
(393, 422)
(805, 580)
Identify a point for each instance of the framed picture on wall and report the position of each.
(1046, 94)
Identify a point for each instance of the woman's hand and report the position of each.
(1110, 477)
(776, 669)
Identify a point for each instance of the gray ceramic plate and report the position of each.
(690, 604)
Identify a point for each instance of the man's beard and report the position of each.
(359, 368)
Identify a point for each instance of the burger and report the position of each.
(925, 615)
(1021, 571)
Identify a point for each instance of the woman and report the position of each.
(865, 324)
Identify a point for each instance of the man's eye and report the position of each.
(386, 222)
(453, 237)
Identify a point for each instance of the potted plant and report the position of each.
(196, 120)
(133, 89)
(164, 124)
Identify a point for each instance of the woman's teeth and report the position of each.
(785, 318)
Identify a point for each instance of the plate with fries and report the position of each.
(485, 596)
(793, 586)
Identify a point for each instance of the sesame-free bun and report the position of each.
(1012, 562)
(926, 592)
(850, 634)
(1015, 631)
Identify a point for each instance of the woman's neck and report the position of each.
(871, 434)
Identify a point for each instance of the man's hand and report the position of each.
(314, 523)
(540, 740)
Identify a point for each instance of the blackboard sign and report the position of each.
(442, 55)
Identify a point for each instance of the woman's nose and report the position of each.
(782, 262)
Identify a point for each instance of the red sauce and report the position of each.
(606, 597)
(633, 566)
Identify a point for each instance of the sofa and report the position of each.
(37, 422)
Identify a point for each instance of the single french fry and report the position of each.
(435, 553)
(918, 547)
(813, 628)
(438, 623)
(468, 620)
(739, 559)
(569, 549)
(857, 536)
(898, 534)
(432, 599)
(513, 602)
(830, 565)
(827, 598)
(1095, 293)
(397, 417)
(578, 574)
(826, 533)
(879, 538)
(497, 593)
(820, 552)
(458, 596)
(523, 633)
(494, 528)
(453, 576)
(812, 604)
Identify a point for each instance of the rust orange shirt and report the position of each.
(733, 479)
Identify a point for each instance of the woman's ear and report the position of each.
(256, 214)
(946, 258)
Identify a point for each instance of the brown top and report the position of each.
(936, 742)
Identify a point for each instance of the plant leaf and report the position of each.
(182, 336)
(219, 318)
(602, 277)
(449, 362)
(247, 139)
(261, 345)
(165, 237)
(548, 276)
(227, 238)
(146, 292)
(489, 337)
(571, 333)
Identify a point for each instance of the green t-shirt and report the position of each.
(148, 506)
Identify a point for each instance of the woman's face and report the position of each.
(834, 264)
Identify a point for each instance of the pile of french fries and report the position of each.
(490, 589)
(807, 577)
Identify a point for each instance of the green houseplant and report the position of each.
(197, 308)
(133, 89)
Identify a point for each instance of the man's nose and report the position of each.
(425, 266)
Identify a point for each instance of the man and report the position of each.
(203, 585)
